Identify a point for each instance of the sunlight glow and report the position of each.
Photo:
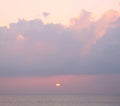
(58, 85)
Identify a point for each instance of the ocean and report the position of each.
(58, 100)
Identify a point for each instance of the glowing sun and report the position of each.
(58, 85)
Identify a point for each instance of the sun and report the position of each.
(58, 85)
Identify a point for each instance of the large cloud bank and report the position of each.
(87, 46)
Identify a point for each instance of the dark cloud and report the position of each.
(32, 48)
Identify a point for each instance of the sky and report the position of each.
(72, 42)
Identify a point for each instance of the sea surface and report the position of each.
(58, 100)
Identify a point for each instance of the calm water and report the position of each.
(59, 100)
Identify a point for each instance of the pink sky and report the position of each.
(82, 84)
(72, 42)
(60, 11)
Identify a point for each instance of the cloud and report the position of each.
(52, 49)
(46, 14)
(107, 49)
(83, 21)
(94, 29)
(20, 37)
